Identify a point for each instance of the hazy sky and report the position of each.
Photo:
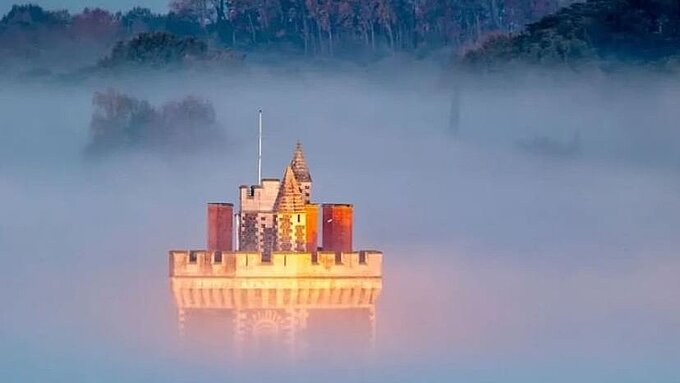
(500, 264)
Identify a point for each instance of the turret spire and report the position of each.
(299, 165)
(290, 198)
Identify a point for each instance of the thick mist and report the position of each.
(529, 227)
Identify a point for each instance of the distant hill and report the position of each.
(602, 32)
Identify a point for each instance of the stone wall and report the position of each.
(291, 231)
(259, 197)
(244, 293)
(205, 263)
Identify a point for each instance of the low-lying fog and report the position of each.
(530, 231)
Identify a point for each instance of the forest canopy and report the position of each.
(604, 32)
(486, 33)
(338, 28)
(163, 49)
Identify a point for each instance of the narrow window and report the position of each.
(192, 257)
(218, 257)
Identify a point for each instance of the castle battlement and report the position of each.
(259, 197)
(276, 234)
(206, 263)
(265, 266)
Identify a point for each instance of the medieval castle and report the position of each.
(277, 285)
(277, 225)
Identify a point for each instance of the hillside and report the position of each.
(605, 33)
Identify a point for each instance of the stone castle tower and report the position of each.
(277, 215)
(290, 216)
(276, 279)
(256, 218)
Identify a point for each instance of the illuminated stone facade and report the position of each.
(205, 263)
(256, 218)
(311, 226)
(279, 299)
(278, 281)
(273, 214)
(290, 217)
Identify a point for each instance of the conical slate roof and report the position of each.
(290, 197)
(299, 165)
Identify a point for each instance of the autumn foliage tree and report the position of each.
(332, 26)
(311, 27)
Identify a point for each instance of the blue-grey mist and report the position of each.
(530, 228)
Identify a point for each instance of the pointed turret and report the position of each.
(290, 198)
(299, 165)
(301, 172)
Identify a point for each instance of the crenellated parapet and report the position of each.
(277, 261)
(205, 263)
(259, 198)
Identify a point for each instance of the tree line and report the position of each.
(607, 33)
(311, 27)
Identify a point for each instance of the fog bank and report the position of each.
(500, 263)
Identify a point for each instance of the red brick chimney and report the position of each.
(337, 227)
(220, 226)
